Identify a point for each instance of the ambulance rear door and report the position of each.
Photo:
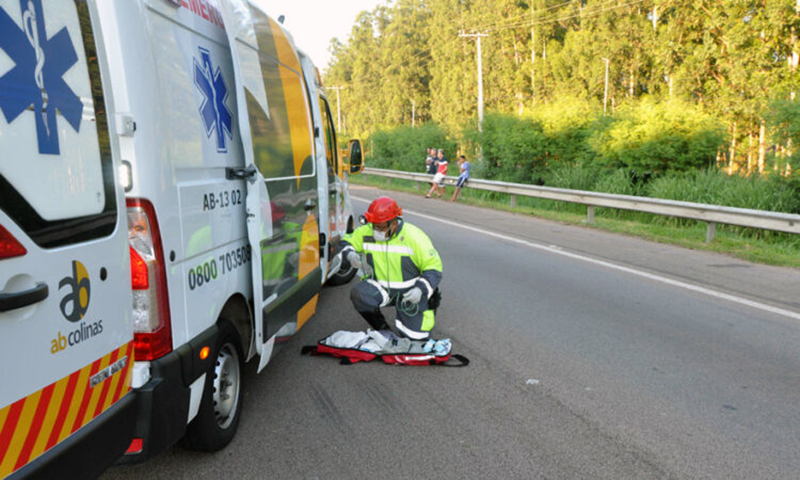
(66, 337)
(282, 197)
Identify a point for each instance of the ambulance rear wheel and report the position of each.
(221, 407)
(343, 276)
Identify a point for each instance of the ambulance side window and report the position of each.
(56, 172)
(330, 136)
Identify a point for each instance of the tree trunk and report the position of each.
(779, 153)
(762, 147)
(655, 17)
(533, 54)
(795, 50)
(632, 83)
(544, 70)
(733, 150)
(749, 152)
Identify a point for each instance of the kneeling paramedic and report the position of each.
(401, 268)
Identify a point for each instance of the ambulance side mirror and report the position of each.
(355, 157)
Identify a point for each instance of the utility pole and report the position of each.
(605, 95)
(533, 53)
(480, 76)
(338, 108)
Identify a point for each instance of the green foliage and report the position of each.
(405, 59)
(573, 176)
(784, 117)
(568, 123)
(659, 137)
(689, 82)
(405, 148)
(619, 182)
(713, 187)
(513, 148)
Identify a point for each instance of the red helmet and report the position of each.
(383, 209)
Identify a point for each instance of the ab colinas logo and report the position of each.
(74, 306)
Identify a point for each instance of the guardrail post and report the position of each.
(711, 231)
(590, 214)
(513, 201)
(388, 181)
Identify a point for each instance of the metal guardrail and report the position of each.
(712, 214)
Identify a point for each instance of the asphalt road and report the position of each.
(593, 355)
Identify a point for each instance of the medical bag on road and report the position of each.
(354, 347)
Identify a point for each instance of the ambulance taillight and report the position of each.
(10, 246)
(151, 321)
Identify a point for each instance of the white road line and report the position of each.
(657, 278)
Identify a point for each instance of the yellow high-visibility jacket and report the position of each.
(406, 260)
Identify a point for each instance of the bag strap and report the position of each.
(309, 349)
(463, 361)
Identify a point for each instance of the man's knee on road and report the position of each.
(365, 297)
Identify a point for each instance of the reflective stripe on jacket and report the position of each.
(407, 260)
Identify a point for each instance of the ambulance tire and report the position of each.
(221, 407)
(342, 277)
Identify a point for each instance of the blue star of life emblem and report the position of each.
(215, 114)
(36, 80)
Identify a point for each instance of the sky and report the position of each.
(313, 23)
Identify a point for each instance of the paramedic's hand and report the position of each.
(413, 296)
(354, 259)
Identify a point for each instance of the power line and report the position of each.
(522, 15)
(554, 19)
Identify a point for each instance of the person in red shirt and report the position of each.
(438, 179)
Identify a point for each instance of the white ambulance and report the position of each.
(66, 340)
(231, 169)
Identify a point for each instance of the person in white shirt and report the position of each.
(441, 171)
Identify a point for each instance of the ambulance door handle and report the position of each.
(13, 301)
(240, 173)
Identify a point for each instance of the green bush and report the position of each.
(405, 147)
(660, 137)
(783, 116)
(513, 148)
(567, 125)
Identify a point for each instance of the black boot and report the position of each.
(375, 319)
